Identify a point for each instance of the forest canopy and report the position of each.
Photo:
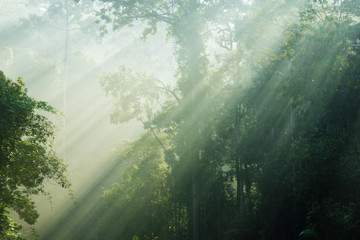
(263, 151)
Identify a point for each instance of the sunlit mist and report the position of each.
(180, 119)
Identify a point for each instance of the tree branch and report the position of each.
(169, 90)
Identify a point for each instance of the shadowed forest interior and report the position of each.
(180, 119)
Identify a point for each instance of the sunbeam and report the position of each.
(241, 119)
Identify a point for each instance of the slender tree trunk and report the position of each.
(293, 169)
(65, 70)
(196, 217)
(248, 189)
(238, 167)
(174, 202)
(180, 222)
(218, 216)
(204, 234)
(239, 186)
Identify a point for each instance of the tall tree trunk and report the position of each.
(65, 71)
(191, 54)
(193, 46)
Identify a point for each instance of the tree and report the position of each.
(26, 154)
(138, 204)
(185, 21)
(310, 83)
(283, 143)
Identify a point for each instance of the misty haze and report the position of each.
(179, 119)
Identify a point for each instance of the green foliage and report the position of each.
(310, 83)
(277, 157)
(137, 205)
(26, 154)
(136, 95)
